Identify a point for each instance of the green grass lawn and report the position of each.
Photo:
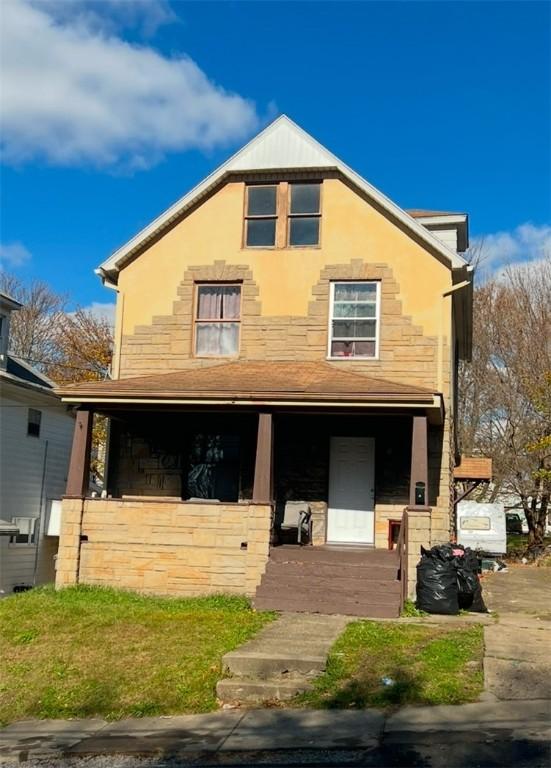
(88, 651)
(428, 664)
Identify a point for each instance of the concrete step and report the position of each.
(265, 664)
(348, 607)
(234, 690)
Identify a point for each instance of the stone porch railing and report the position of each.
(164, 546)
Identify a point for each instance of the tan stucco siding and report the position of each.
(351, 229)
(285, 306)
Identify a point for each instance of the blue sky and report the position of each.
(122, 106)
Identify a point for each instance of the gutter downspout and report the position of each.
(41, 505)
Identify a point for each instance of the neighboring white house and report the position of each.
(35, 441)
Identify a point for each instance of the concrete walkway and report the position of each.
(235, 736)
(517, 655)
(281, 660)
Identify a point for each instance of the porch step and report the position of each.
(265, 663)
(377, 589)
(331, 581)
(281, 660)
(317, 571)
(250, 690)
(351, 606)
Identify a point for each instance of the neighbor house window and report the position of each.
(304, 214)
(217, 320)
(354, 319)
(34, 418)
(27, 530)
(261, 216)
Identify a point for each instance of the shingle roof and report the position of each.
(22, 371)
(253, 380)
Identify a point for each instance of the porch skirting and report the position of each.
(164, 547)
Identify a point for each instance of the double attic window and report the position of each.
(282, 215)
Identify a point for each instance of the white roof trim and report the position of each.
(282, 145)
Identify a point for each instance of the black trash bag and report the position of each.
(437, 590)
(468, 583)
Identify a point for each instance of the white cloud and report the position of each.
(13, 255)
(145, 16)
(102, 311)
(526, 243)
(75, 93)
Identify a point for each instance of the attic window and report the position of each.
(304, 214)
(261, 216)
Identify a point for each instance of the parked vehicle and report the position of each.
(513, 522)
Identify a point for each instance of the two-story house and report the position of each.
(284, 332)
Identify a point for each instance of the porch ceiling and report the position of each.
(255, 382)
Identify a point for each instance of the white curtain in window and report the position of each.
(218, 302)
(217, 338)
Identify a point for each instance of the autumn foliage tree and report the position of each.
(68, 346)
(505, 393)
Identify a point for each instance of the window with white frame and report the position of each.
(27, 530)
(217, 320)
(354, 320)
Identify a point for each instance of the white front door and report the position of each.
(351, 513)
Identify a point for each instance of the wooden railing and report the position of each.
(402, 556)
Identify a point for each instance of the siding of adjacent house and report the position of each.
(22, 463)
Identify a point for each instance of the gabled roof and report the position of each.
(283, 145)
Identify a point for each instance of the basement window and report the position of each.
(354, 320)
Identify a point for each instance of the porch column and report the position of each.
(263, 468)
(419, 480)
(79, 467)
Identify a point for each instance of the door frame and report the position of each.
(351, 543)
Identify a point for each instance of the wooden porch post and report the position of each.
(419, 481)
(263, 468)
(79, 467)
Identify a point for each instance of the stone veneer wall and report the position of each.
(419, 535)
(166, 345)
(164, 547)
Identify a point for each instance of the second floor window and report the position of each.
(217, 320)
(354, 321)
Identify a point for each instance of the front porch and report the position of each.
(196, 492)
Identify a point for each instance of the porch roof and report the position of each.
(274, 382)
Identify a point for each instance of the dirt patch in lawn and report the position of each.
(87, 651)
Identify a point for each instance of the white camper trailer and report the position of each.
(482, 526)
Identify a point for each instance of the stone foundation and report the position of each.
(164, 547)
